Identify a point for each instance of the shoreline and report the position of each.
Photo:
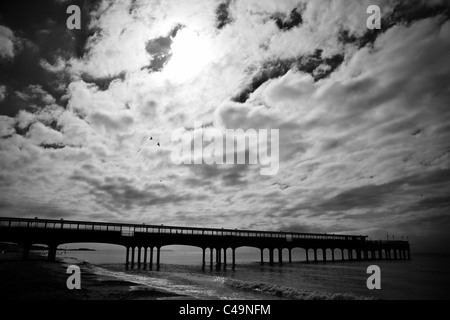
(39, 279)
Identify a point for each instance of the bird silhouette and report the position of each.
(151, 138)
(158, 144)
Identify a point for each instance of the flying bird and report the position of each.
(158, 144)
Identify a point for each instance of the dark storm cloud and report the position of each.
(55, 146)
(426, 190)
(103, 83)
(373, 196)
(270, 70)
(368, 38)
(310, 64)
(314, 64)
(44, 23)
(405, 12)
(42, 35)
(120, 193)
(160, 49)
(227, 175)
(34, 209)
(312, 228)
(433, 202)
(286, 23)
(223, 14)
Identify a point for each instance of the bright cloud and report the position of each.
(6, 42)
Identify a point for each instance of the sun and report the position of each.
(191, 53)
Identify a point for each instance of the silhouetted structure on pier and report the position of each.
(150, 238)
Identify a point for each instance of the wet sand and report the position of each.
(38, 279)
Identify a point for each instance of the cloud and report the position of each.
(120, 193)
(426, 184)
(223, 14)
(7, 126)
(3, 93)
(7, 39)
(35, 94)
(363, 115)
(285, 23)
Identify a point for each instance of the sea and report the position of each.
(425, 276)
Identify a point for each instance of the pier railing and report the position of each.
(128, 230)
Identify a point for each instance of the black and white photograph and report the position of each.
(247, 153)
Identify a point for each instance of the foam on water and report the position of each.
(194, 286)
(424, 277)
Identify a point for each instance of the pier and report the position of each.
(143, 242)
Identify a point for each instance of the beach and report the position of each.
(38, 279)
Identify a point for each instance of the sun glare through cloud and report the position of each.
(191, 53)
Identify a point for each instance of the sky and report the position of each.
(86, 116)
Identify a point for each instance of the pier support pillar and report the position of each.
(217, 257)
(290, 255)
(306, 253)
(139, 257)
(280, 256)
(127, 260)
(315, 255)
(350, 254)
(151, 258)
(395, 254)
(324, 255)
(145, 257)
(158, 256)
(52, 252)
(262, 256)
(332, 254)
(271, 256)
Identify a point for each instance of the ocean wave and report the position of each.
(289, 293)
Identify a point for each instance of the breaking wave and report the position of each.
(289, 293)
